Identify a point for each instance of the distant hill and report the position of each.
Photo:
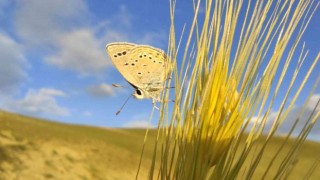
(38, 149)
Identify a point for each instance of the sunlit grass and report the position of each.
(226, 80)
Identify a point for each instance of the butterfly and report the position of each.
(144, 67)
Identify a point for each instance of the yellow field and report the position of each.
(37, 149)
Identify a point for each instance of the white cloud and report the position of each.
(285, 127)
(112, 34)
(87, 113)
(3, 3)
(12, 64)
(101, 90)
(80, 51)
(63, 29)
(137, 124)
(3, 6)
(64, 33)
(123, 18)
(140, 121)
(313, 102)
(40, 23)
(120, 27)
(155, 38)
(39, 102)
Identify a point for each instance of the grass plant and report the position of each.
(234, 70)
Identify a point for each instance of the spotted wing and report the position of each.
(119, 55)
(149, 66)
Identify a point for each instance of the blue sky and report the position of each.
(53, 56)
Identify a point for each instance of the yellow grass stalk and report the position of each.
(222, 83)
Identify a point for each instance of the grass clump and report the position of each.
(235, 62)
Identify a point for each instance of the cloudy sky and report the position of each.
(53, 62)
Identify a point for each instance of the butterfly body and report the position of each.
(144, 67)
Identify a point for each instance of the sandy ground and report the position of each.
(22, 159)
(25, 160)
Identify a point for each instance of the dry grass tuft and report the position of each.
(223, 82)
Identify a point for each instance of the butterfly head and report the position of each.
(139, 94)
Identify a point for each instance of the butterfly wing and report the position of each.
(142, 66)
(119, 54)
(150, 67)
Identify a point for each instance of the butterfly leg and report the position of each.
(170, 100)
(154, 101)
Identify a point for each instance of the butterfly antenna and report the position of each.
(118, 112)
(119, 86)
